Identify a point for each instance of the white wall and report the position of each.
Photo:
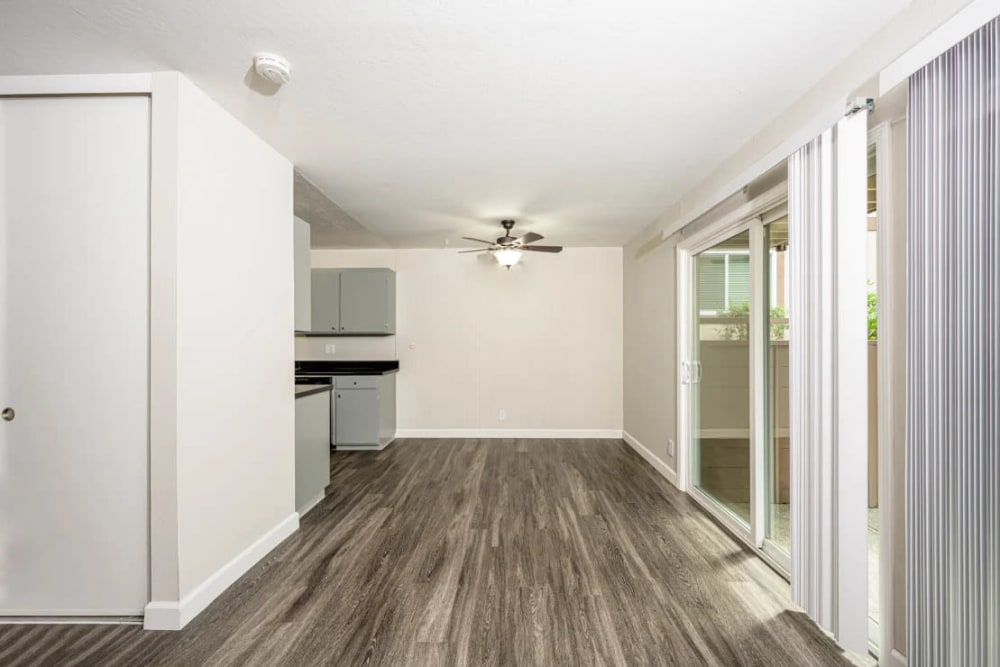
(651, 348)
(542, 341)
(222, 303)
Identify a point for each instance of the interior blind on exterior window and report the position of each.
(711, 282)
(739, 280)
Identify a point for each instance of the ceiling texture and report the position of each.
(427, 120)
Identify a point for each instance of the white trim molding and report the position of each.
(76, 84)
(896, 659)
(658, 464)
(171, 615)
(500, 433)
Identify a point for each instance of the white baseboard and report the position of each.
(311, 504)
(487, 433)
(896, 659)
(171, 615)
(661, 467)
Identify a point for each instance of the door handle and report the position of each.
(7, 414)
(697, 365)
(685, 372)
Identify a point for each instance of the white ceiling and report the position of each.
(427, 120)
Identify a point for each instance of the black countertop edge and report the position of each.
(310, 389)
(307, 367)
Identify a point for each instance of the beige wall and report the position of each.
(542, 341)
(650, 362)
(222, 431)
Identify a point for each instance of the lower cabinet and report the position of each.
(364, 411)
(312, 449)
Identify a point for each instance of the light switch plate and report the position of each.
(670, 447)
(331, 348)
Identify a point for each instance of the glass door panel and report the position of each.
(720, 375)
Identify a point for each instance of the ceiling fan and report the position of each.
(507, 249)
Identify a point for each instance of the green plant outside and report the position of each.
(779, 330)
(741, 330)
(872, 312)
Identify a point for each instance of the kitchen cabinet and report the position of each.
(303, 275)
(325, 300)
(364, 411)
(353, 302)
(357, 416)
(367, 301)
(312, 449)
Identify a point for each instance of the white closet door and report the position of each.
(74, 267)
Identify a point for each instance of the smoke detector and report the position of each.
(273, 68)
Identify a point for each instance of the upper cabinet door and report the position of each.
(367, 301)
(325, 300)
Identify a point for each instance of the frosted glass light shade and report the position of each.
(507, 257)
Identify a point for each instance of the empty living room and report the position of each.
(499, 332)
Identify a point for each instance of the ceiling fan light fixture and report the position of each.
(507, 256)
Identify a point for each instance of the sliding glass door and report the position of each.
(737, 380)
(720, 375)
(777, 445)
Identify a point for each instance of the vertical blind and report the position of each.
(828, 354)
(953, 282)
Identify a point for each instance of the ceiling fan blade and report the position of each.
(476, 250)
(469, 238)
(530, 237)
(542, 248)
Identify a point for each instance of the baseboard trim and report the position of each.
(171, 615)
(896, 659)
(661, 467)
(311, 504)
(73, 617)
(492, 433)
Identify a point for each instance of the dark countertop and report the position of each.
(346, 367)
(310, 389)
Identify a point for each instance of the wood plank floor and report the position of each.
(480, 552)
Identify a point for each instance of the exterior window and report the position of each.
(723, 282)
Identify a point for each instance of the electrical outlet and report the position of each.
(670, 447)
(331, 348)
(503, 415)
